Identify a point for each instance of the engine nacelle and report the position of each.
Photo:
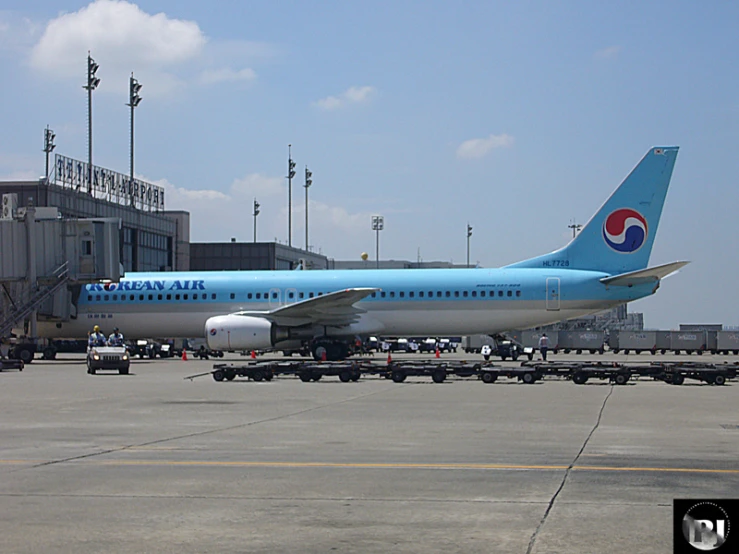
(242, 332)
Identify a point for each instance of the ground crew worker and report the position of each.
(544, 346)
(116, 338)
(96, 337)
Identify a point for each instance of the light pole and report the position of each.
(290, 175)
(255, 214)
(48, 148)
(92, 83)
(575, 228)
(308, 183)
(378, 224)
(469, 234)
(133, 100)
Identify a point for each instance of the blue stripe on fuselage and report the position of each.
(147, 288)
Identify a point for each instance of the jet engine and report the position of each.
(242, 332)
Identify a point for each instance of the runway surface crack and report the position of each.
(539, 527)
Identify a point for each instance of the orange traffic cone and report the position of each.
(389, 358)
(438, 355)
(253, 354)
(184, 355)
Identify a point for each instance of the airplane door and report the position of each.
(552, 293)
(275, 298)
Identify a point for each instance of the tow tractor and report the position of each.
(108, 357)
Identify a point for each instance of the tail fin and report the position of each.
(619, 237)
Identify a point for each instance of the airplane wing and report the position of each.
(334, 309)
(649, 275)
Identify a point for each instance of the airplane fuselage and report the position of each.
(429, 302)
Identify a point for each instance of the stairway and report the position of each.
(58, 279)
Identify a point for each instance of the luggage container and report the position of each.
(688, 341)
(531, 338)
(633, 341)
(663, 341)
(727, 342)
(581, 341)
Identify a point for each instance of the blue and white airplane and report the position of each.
(604, 266)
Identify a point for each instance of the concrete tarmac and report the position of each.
(151, 462)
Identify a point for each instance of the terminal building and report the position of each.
(152, 239)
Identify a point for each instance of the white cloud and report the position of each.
(353, 95)
(226, 75)
(218, 216)
(610, 52)
(478, 148)
(164, 52)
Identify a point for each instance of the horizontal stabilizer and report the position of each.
(649, 275)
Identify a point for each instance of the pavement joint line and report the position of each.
(539, 527)
(326, 499)
(201, 433)
(382, 465)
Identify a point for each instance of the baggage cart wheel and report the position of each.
(439, 376)
(488, 377)
(579, 378)
(621, 379)
(218, 375)
(720, 380)
(345, 376)
(398, 376)
(305, 377)
(528, 378)
(678, 378)
(258, 375)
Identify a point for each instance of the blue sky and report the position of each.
(517, 117)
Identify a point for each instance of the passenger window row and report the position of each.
(142, 297)
(448, 294)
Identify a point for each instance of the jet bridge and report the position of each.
(44, 260)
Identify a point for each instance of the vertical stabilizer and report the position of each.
(619, 237)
